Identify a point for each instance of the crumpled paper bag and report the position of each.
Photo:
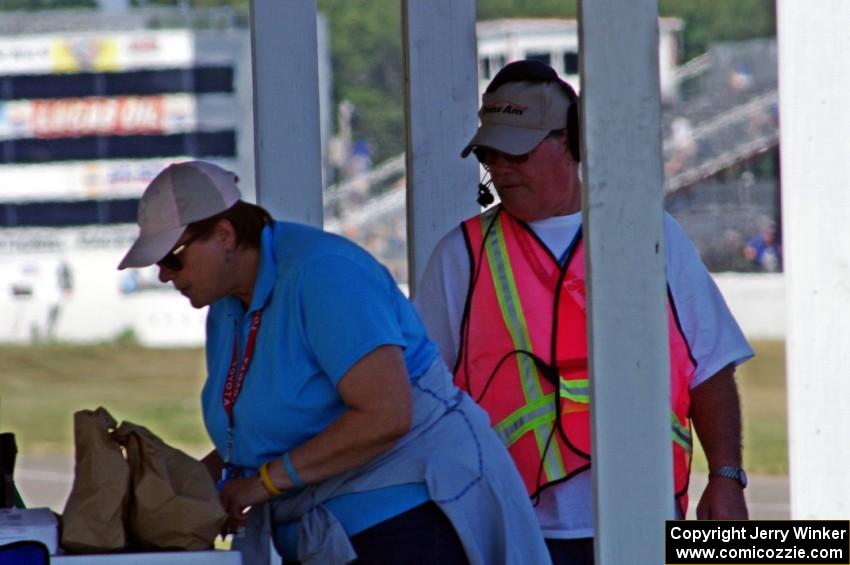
(174, 502)
(93, 519)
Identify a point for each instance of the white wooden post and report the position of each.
(287, 144)
(287, 134)
(441, 104)
(627, 323)
(813, 84)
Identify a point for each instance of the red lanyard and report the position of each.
(233, 384)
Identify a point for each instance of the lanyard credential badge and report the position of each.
(233, 386)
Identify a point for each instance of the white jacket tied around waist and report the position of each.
(452, 449)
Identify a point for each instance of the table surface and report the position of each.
(153, 558)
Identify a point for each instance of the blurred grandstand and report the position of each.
(93, 104)
(720, 153)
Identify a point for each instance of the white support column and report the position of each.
(627, 322)
(813, 84)
(287, 146)
(441, 104)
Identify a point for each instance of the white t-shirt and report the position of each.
(715, 340)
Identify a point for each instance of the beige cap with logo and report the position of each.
(181, 194)
(519, 115)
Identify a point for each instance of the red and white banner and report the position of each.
(74, 117)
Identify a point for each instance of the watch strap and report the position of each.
(731, 472)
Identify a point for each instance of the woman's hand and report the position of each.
(214, 464)
(238, 496)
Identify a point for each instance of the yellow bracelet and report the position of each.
(267, 480)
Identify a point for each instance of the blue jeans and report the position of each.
(421, 536)
(577, 551)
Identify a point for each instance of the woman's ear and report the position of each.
(225, 233)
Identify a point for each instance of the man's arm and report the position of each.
(716, 414)
(441, 294)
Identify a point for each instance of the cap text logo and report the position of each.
(504, 108)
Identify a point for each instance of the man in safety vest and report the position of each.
(503, 296)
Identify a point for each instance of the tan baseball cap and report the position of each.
(181, 194)
(518, 115)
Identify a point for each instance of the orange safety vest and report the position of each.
(510, 337)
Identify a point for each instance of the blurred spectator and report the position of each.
(129, 281)
(40, 290)
(356, 168)
(146, 279)
(740, 78)
(58, 296)
(682, 144)
(763, 250)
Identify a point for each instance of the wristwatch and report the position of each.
(731, 472)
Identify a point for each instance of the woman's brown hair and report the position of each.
(248, 221)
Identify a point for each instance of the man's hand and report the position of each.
(722, 499)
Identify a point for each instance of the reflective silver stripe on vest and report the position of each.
(512, 314)
(523, 420)
(682, 435)
(574, 391)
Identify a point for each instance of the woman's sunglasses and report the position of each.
(171, 261)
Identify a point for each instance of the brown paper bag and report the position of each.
(93, 520)
(175, 504)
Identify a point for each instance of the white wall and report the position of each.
(757, 301)
(95, 309)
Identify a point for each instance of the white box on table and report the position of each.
(39, 524)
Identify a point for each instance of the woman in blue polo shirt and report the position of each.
(334, 421)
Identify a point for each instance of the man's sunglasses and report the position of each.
(487, 156)
(171, 261)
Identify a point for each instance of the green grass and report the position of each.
(761, 383)
(42, 387)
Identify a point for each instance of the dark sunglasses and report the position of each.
(171, 261)
(487, 156)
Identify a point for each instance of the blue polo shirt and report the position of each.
(325, 303)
